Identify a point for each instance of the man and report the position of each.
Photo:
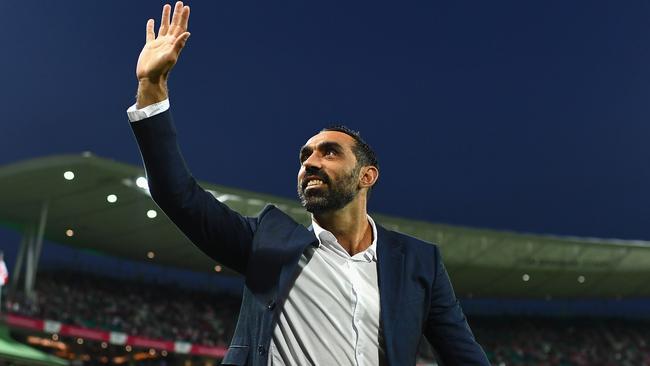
(344, 292)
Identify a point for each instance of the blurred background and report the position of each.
(514, 135)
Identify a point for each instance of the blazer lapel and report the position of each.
(300, 238)
(390, 259)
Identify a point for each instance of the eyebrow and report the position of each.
(326, 145)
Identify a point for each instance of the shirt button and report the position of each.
(260, 349)
(271, 305)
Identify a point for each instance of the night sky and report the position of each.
(514, 115)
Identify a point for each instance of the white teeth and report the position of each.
(314, 182)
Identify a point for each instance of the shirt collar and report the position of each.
(326, 237)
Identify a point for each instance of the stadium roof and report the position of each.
(482, 263)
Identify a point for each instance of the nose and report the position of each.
(312, 162)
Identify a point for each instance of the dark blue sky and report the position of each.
(527, 116)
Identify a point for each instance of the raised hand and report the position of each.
(160, 53)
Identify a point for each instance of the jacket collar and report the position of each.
(325, 237)
(390, 272)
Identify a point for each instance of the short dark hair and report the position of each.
(362, 151)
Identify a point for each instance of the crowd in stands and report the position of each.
(564, 341)
(165, 311)
(157, 311)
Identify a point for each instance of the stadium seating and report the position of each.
(168, 311)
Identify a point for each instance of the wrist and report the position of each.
(150, 92)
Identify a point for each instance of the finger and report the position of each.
(150, 33)
(185, 17)
(178, 10)
(164, 20)
(179, 43)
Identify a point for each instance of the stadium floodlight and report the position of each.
(111, 198)
(525, 277)
(152, 214)
(217, 268)
(80, 341)
(69, 233)
(142, 183)
(151, 254)
(128, 348)
(164, 353)
(104, 344)
(581, 279)
(69, 175)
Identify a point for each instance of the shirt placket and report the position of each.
(357, 312)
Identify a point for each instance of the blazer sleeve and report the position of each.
(446, 327)
(218, 231)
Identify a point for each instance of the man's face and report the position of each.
(328, 178)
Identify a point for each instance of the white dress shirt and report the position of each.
(148, 111)
(331, 315)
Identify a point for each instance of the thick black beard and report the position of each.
(335, 198)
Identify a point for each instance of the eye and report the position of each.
(330, 153)
(303, 156)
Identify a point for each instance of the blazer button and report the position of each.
(271, 305)
(260, 349)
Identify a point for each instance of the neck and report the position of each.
(349, 225)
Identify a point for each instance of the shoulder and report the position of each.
(417, 253)
(408, 242)
(272, 214)
(275, 222)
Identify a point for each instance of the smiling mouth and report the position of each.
(314, 183)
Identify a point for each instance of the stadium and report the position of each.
(148, 212)
(91, 279)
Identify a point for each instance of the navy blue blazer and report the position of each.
(416, 296)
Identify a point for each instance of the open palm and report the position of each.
(160, 54)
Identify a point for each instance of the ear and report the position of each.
(368, 176)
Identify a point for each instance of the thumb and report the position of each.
(179, 43)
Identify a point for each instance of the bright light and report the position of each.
(150, 255)
(152, 351)
(164, 353)
(111, 198)
(152, 214)
(104, 344)
(128, 348)
(46, 343)
(525, 277)
(217, 268)
(69, 233)
(581, 279)
(68, 175)
(80, 341)
(142, 183)
(55, 337)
